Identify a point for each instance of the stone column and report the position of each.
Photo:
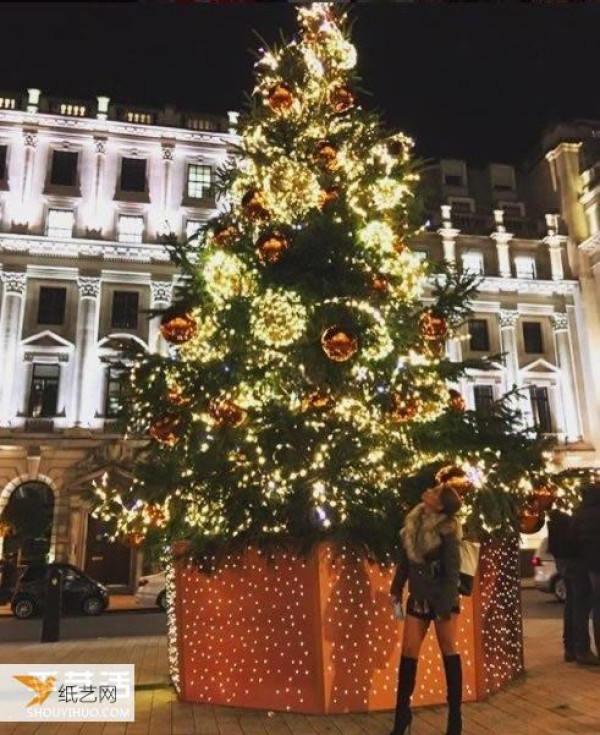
(11, 320)
(167, 156)
(555, 243)
(570, 399)
(85, 352)
(448, 234)
(161, 298)
(508, 341)
(100, 148)
(502, 239)
(30, 143)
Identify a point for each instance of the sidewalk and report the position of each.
(553, 699)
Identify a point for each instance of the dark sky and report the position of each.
(467, 80)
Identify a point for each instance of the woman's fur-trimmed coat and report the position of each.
(430, 559)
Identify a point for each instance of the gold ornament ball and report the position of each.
(270, 247)
(253, 205)
(280, 98)
(543, 497)
(341, 99)
(433, 327)
(531, 520)
(400, 245)
(338, 345)
(226, 414)
(379, 284)
(457, 402)
(156, 514)
(456, 477)
(166, 430)
(223, 235)
(326, 155)
(177, 326)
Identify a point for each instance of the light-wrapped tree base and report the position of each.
(317, 635)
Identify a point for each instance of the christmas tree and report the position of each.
(307, 394)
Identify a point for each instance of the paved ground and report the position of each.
(554, 698)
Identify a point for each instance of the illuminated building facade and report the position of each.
(87, 189)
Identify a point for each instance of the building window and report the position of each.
(421, 255)
(512, 210)
(462, 205)
(51, 307)
(113, 400)
(199, 182)
(454, 173)
(540, 409)
(3, 152)
(484, 398)
(64, 168)
(192, 231)
(43, 396)
(479, 335)
(532, 337)
(60, 223)
(525, 266)
(131, 228)
(503, 177)
(133, 174)
(472, 262)
(125, 310)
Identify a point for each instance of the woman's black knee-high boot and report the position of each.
(407, 674)
(453, 669)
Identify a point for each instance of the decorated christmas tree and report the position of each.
(307, 394)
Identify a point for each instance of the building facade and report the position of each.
(87, 191)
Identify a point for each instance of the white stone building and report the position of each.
(86, 191)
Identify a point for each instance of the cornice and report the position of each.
(528, 286)
(93, 126)
(78, 248)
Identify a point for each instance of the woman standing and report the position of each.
(430, 561)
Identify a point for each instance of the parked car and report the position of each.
(547, 578)
(80, 593)
(152, 591)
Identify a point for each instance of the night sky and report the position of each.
(477, 81)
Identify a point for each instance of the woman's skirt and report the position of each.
(423, 609)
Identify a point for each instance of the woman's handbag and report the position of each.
(469, 561)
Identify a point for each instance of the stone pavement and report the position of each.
(553, 698)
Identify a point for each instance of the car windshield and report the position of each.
(34, 572)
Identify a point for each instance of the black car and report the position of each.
(80, 593)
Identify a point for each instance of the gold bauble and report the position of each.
(280, 98)
(156, 514)
(379, 284)
(270, 247)
(341, 99)
(176, 397)
(166, 430)
(433, 327)
(457, 402)
(226, 414)
(223, 235)
(531, 520)
(326, 155)
(253, 204)
(456, 477)
(177, 325)
(134, 539)
(338, 345)
(543, 497)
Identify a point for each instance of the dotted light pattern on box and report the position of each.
(317, 635)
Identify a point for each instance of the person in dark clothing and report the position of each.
(585, 533)
(430, 562)
(578, 603)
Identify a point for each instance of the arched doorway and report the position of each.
(27, 523)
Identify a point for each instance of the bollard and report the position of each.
(52, 607)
